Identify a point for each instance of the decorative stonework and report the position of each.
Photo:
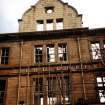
(50, 9)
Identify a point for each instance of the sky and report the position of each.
(93, 12)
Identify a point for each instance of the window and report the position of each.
(38, 54)
(4, 55)
(58, 85)
(104, 44)
(38, 91)
(49, 24)
(59, 23)
(101, 88)
(103, 53)
(49, 10)
(50, 53)
(95, 47)
(39, 85)
(40, 25)
(62, 52)
(2, 91)
(21, 102)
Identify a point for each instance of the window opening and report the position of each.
(4, 55)
(40, 25)
(2, 91)
(21, 103)
(95, 48)
(56, 86)
(38, 54)
(49, 10)
(50, 53)
(39, 85)
(62, 52)
(101, 88)
(38, 92)
(49, 24)
(104, 44)
(59, 23)
(102, 50)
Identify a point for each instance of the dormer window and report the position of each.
(49, 10)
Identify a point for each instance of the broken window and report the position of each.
(59, 23)
(4, 55)
(49, 24)
(38, 91)
(38, 54)
(103, 53)
(39, 85)
(101, 88)
(40, 25)
(95, 48)
(50, 53)
(2, 91)
(62, 52)
(58, 86)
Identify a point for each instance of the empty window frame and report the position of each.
(62, 52)
(49, 24)
(58, 85)
(40, 25)
(50, 53)
(4, 55)
(59, 23)
(102, 50)
(38, 54)
(101, 88)
(2, 91)
(49, 9)
(38, 92)
(39, 85)
(95, 48)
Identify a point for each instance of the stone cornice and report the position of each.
(55, 34)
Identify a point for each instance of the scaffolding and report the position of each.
(52, 84)
(49, 87)
(99, 55)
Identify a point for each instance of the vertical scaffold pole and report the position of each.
(19, 73)
(28, 86)
(81, 67)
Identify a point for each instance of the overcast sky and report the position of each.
(93, 12)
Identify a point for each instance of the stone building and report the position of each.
(52, 60)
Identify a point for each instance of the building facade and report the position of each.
(50, 15)
(53, 60)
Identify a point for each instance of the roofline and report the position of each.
(54, 34)
(65, 3)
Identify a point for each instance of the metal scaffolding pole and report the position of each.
(27, 86)
(19, 73)
(81, 67)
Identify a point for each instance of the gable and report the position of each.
(50, 9)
